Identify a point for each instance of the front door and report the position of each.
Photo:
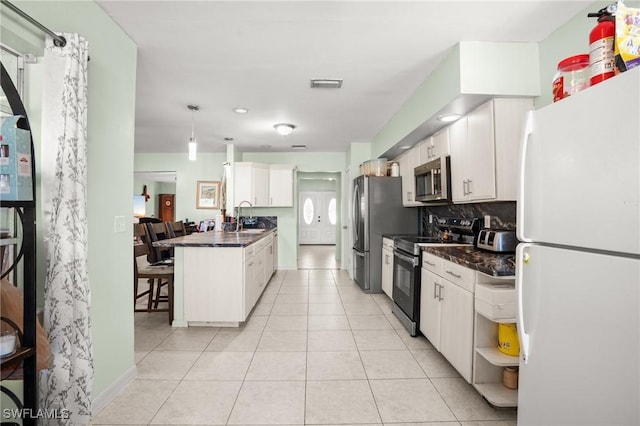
(317, 217)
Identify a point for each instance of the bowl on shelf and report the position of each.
(8, 339)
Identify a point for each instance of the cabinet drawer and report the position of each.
(459, 275)
(496, 301)
(432, 263)
(387, 243)
(260, 246)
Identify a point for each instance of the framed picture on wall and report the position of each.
(208, 195)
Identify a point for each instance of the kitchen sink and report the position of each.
(250, 231)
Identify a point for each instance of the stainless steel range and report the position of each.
(406, 265)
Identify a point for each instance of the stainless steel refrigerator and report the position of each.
(578, 268)
(376, 209)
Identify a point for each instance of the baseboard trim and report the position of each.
(112, 391)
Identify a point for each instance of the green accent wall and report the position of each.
(207, 167)
(112, 77)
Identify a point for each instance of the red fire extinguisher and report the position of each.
(601, 41)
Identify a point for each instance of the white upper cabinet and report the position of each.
(281, 185)
(435, 146)
(484, 150)
(263, 185)
(458, 140)
(408, 161)
(251, 183)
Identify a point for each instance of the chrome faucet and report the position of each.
(238, 221)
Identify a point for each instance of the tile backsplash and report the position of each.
(503, 214)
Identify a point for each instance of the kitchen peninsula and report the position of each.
(219, 276)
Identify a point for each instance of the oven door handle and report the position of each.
(410, 259)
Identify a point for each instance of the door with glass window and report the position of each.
(317, 217)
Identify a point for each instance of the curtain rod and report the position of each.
(57, 40)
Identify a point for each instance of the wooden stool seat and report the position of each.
(157, 276)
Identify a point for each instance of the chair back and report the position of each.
(175, 229)
(156, 232)
(140, 247)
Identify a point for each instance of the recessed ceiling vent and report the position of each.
(299, 146)
(326, 83)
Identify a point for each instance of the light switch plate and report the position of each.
(487, 221)
(119, 225)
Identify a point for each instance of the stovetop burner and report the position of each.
(457, 231)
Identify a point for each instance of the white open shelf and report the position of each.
(497, 394)
(495, 357)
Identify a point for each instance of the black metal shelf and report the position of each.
(18, 355)
(26, 210)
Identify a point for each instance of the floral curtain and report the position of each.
(67, 301)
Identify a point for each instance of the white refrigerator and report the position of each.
(578, 266)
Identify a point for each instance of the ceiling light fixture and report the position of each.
(447, 118)
(326, 83)
(284, 128)
(193, 146)
(240, 110)
(405, 146)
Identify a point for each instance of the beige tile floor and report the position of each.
(315, 350)
(317, 257)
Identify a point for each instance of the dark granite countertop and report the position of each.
(392, 236)
(494, 264)
(215, 239)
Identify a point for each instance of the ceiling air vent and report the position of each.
(298, 146)
(326, 83)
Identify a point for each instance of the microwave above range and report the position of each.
(433, 181)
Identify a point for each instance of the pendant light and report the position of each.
(193, 146)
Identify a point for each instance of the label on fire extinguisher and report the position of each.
(601, 57)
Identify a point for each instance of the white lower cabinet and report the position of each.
(456, 327)
(495, 303)
(387, 266)
(223, 284)
(249, 286)
(446, 311)
(269, 261)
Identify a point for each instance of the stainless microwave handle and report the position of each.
(410, 259)
(433, 182)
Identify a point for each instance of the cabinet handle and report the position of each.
(440, 298)
(464, 187)
(435, 286)
(429, 263)
(386, 259)
(455, 275)
(409, 196)
(469, 186)
(251, 264)
(270, 201)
